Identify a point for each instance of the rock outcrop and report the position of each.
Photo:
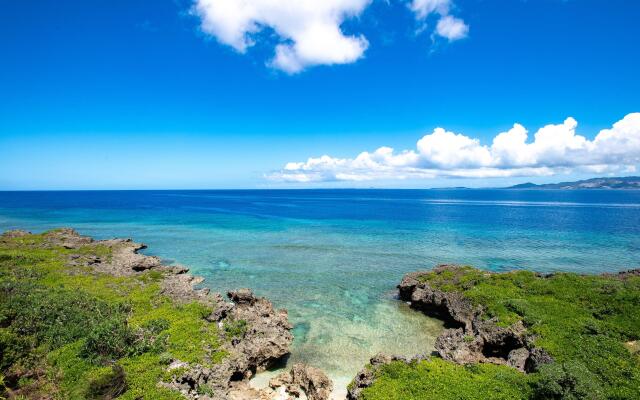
(67, 238)
(366, 376)
(267, 337)
(17, 233)
(305, 379)
(261, 336)
(629, 273)
(471, 337)
(264, 339)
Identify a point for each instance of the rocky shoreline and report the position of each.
(263, 336)
(474, 336)
(469, 338)
(253, 336)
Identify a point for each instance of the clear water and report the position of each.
(333, 257)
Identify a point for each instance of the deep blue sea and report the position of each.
(333, 257)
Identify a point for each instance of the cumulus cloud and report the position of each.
(423, 8)
(554, 149)
(309, 30)
(448, 26)
(452, 28)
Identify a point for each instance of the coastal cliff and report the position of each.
(517, 335)
(86, 319)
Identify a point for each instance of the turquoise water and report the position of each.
(333, 257)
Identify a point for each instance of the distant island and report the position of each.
(628, 182)
(624, 182)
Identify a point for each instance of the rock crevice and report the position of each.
(262, 334)
(470, 337)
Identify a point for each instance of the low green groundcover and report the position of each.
(588, 323)
(72, 333)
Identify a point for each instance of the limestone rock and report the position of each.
(537, 358)
(474, 338)
(305, 379)
(450, 306)
(517, 358)
(242, 296)
(267, 338)
(67, 238)
(16, 233)
(629, 273)
(454, 345)
(366, 376)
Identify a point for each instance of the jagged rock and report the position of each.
(16, 233)
(452, 307)
(67, 238)
(629, 273)
(266, 340)
(126, 256)
(380, 359)
(179, 269)
(363, 380)
(474, 339)
(366, 376)
(454, 345)
(268, 336)
(537, 358)
(242, 296)
(517, 358)
(222, 310)
(304, 378)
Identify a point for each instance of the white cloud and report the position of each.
(422, 8)
(309, 30)
(555, 149)
(448, 26)
(452, 28)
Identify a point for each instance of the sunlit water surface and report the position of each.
(333, 257)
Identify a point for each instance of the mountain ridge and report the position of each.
(627, 182)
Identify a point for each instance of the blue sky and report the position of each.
(136, 94)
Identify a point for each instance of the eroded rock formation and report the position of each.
(261, 338)
(471, 337)
(303, 379)
(367, 375)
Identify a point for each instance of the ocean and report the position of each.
(332, 258)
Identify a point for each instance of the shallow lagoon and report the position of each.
(333, 257)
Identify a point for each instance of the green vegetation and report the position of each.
(235, 328)
(439, 379)
(69, 332)
(589, 324)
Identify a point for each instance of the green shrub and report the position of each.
(235, 328)
(582, 319)
(441, 380)
(54, 316)
(64, 327)
(114, 339)
(155, 326)
(568, 381)
(205, 390)
(110, 340)
(13, 347)
(108, 385)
